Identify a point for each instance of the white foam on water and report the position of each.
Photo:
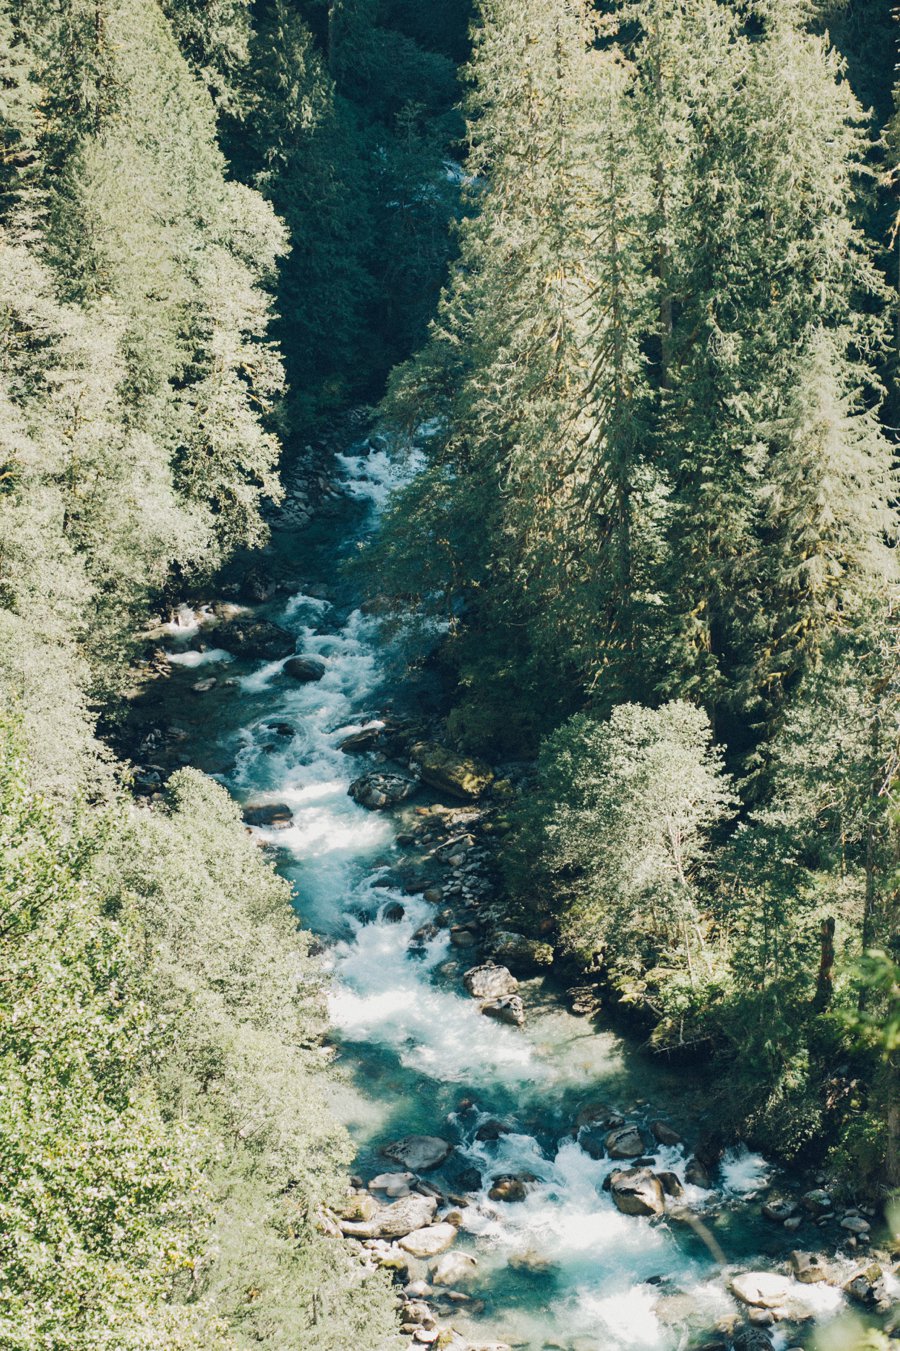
(301, 602)
(384, 994)
(259, 680)
(186, 623)
(744, 1172)
(376, 475)
(211, 656)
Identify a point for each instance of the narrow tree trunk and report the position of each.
(825, 980)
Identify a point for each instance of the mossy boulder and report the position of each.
(519, 952)
(448, 772)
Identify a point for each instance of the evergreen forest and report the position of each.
(617, 285)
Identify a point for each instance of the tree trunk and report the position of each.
(825, 981)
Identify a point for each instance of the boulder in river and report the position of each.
(454, 1268)
(377, 791)
(469, 1180)
(490, 981)
(626, 1142)
(697, 1174)
(593, 1141)
(359, 1206)
(778, 1209)
(305, 670)
(671, 1184)
(509, 1009)
(664, 1134)
(866, 1286)
(274, 815)
(509, 1188)
(419, 1153)
(599, 1115)
(752, 1339)
(255, 639)
(818, 1202)
(525, 954)
(393, 1184)
(637, 1191)
(361, 742)
(283, 729)
(492, 1130)
(761, 1289)
(808, 1268)
(448, 772)
(430, 1241)
(396, 1220)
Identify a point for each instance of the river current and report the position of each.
(563, 1268)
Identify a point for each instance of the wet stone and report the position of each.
(274, 815)
(664, 1134)
(637, 1191)
(671, 1184)
(489, 981)
(305, 670)
(808, 1268)
(508, 1010)
(428, 1242)
(763, 1289)
(454, 1269)
(818, 1202)
(419, 1153)
(624, 1143)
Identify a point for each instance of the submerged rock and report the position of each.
(419, 1153)
(752, 1339)
(448, 772)
(593, 1141)
(490, 981)
(454, 1268)
(282, 729)
(305, 670)
(778, 1209)
(598, 1114)
(492, 1130)
(637, 1191)
(376, 791)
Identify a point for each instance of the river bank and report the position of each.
(266, 690)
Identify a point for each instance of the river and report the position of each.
(562, 1268)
